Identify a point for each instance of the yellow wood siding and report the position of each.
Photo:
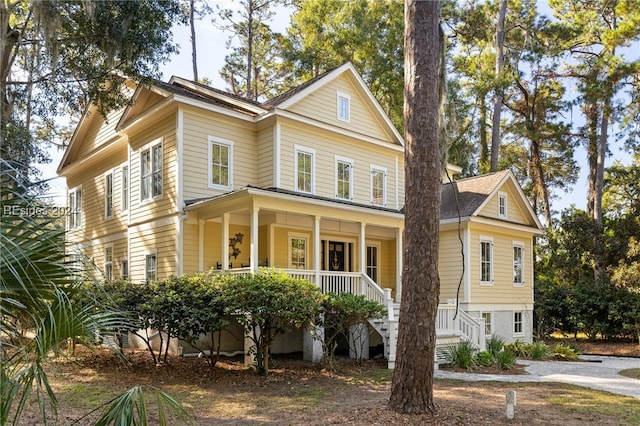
(190, 248)
(98, 132)
(265, 177)
(327, 145)
(515, 211)
(153, 238)
(161, 131)
(387, 268)
(502, 291)
(450, 266)
(322, 104)
(198, 126)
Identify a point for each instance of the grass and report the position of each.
(633, 373)
(587, 401)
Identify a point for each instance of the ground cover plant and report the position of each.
(297, 392)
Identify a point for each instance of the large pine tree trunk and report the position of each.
(412, 386)
(497, 103)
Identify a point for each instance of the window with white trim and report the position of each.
(518, 264)
(372, 262)
(151, 267)
(488, 323)
(378, 186)
(124, 268)
(502, 205)
(344, 178)
(108, 263)
(124, 189)
(75, 208)
(151, 172)
(297, 252)
(304, 169)
(486, 260)
(344, 107)
(220, 163)
(518, 328)
(108, 195)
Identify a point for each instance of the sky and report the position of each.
(211, 45)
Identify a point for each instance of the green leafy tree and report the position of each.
(269, 303)
(37, 288)
(253, 69)
(57, 57)
(325, 34)
(341, 312)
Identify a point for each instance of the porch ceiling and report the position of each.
(278, 207)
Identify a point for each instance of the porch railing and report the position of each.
(464, 325)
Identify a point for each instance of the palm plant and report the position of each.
(38, 310)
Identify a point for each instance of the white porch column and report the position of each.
(253, 250)
(225, 242)
(399, 260)
(201, 245)
(316, 248)
(362, 242)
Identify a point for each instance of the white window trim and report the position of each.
(302, 236)
(374, 168)
(110, 263)
(521, 245)
(492, 320)
(521, 332)
(149, 147)
(125, 188)
(126, 259)
(377, 245)
(219, 141)
(349, 161)
(489, 240)
(146, 271)
(339, 97)
(76, 211)
(107, 214)
(312, 152)
(503, 196)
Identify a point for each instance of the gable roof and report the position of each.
(470, 195)
(291, 97)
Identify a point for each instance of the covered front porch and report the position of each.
(339, 246)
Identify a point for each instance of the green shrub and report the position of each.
(520, 349)
(494, 344)
(506, 359)
(484, 359)
(565, 352)
(539, 350)
(461, 355)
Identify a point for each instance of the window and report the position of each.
(378, 184)
(220, 160)
(108, 195)
(517, 323)
(502, 204)
(124, 203)
(518, 264)
(298, 256)
(304, 170)
(124, 268)
(344, 101)
(108, 263)
(151, 172)
(372, 263)
(488, 323)
(343, 178)
(75, 208)
(150, 267)
(486, 261)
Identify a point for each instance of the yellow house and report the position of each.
(191, 178)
